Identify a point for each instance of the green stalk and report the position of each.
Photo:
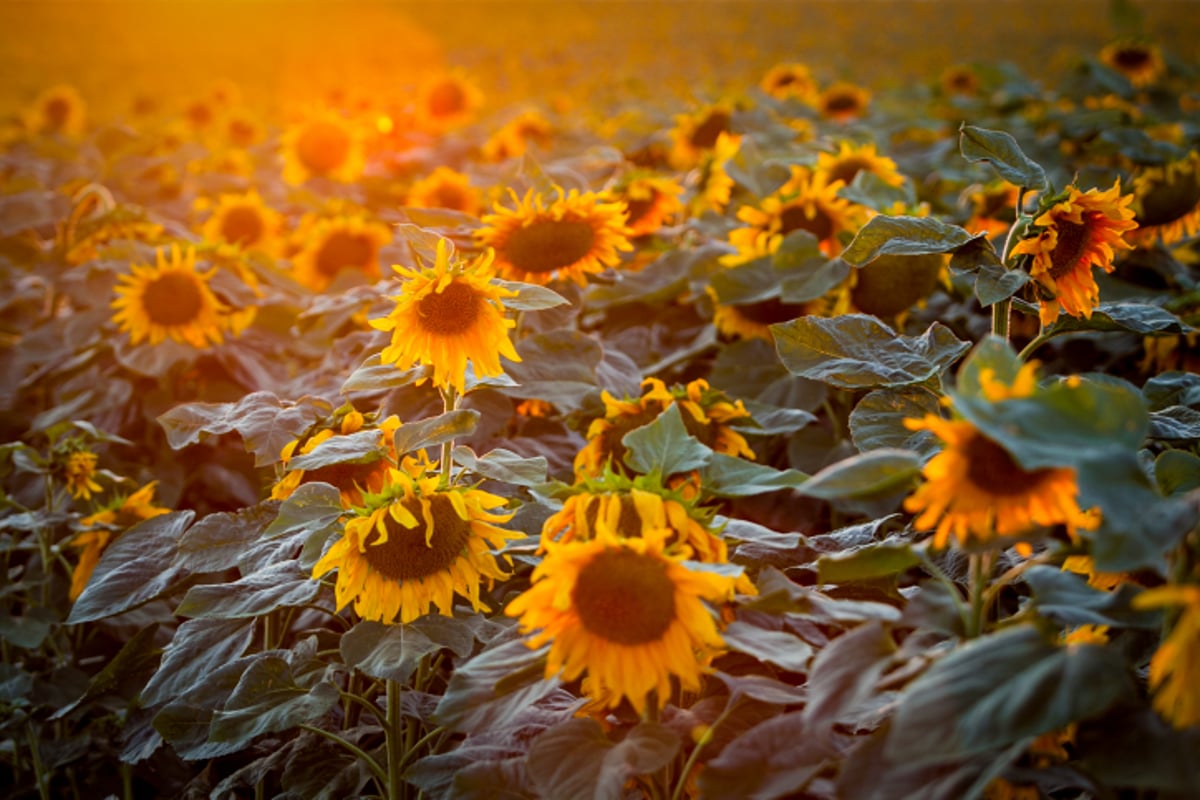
(979, 568)
(395, 740)
(381, 777)
(951, 586)
(449, 403)
(1002, 310)
(1034, 344)
(39, 770)
(677, 793)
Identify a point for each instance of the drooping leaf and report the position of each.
(360, 447)
(904, 236)
(504, 465)
(530, 297)
(776, 758)
(1067, 598)
(1004, 154)
(781, 648)
(873, 473)
(863, 563)
(375, 376)
(729, 476)
(1129, 316)
(313, 507)
(993, 281)
(219, 540)
(264, 423)
(1175, 423)
(393, 652)
(198, 648)
(845, 672)
(576, 759)
(280, 585)
(1177, 472)
(435, 430)
(877, 422)
(494, 687)
(665, 446)
(268, 699)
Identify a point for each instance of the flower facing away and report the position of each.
(447, 101)
(514, 137)
(1175, 666)
(243, 220)
(323, 146)
(807, 201)
(708, 414)
(790, 81)
(80, 474)
(340, 243)
(571, 237)
(1083, 230)
(697, 133)
(446, 188)
(446, 315)
(59, 109)
(992, 207)
(626, 613)
(843, 101)
(975, 490)
(851, 159)
(1140, 62)
(714, 186)
(650, 202)
(415, 545)
(1166, 201)
(350, 478)
(170, 299)
(959, 79)
(100, 528)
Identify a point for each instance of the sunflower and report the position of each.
(975, 490)
(446, 101)
(696, 134)
(959, 79)
(1078, 232)
(514, 137)
(807, 201)
(754, 320)
(1140, 62)
(79, 473)
(349, 242)
(100, 528)
(891, 284)
(447, 314)
(243, 220)
(650, 201)
(574, 235)
(170, 299)
(1166, 201)
(350, 478)
(843, 101)
(708, 414)
(86, 234)
(242, 129)
(414, 545)
(849, 160)
(59, 109)
(790, 81)
(713, 184)
(992, 207)
(326, 146)
(1175, 666)
(446, 188)
(625, 612)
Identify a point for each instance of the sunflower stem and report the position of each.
(449, 403)
(951, 587)
(381, 777)
(979, 568)
(39, 770)
(705, 738)
(1034, 344)
(396, 733)
(1000, 314)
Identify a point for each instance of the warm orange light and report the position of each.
(384, 124)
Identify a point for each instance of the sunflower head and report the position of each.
(959, 79)
(714, 186)
(1166, 201)
(245, 221)
(79, 474)
(414, 545)
(324, 146)
(851, 159)
(99, 529)
(1075, 232)
(1175, 666)
(697, 133)
(650, 201)
(570, 237)
(789, 81)
(992, 207)
(1142, 63)
(59, 109)
(346, 242)
(351, 478)
(891, 284)
(514, 137)
(447, 314)
(624, 615)
(447, 100)
(808, 201)
(446, 188)
(170, 300)
(242, 129)
(843, 101)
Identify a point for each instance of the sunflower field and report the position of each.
(600, 400)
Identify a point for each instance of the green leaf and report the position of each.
(495, 687)
(664, 446)
(360, 447)
(530, 297)
(993, 281)
(1140, 318)
(762, 688)
(263, 422)
(1172, 389)
(864, 563)
(877, 422)
(576, 759)
(845, 672)
(868, 474)
(268, 699)
(25, 211)
(1177, 472)
(784, 650)
(375, 376)
(393, 652)
(133, 664)
(279, 585)
(313, 507)
(857, 351)
(27, 630)
(219, 540)
(932, 607)
(1004, 154)
(904, 236)
(433, 431)
(1067, 598)
(1000, 689)
(729, 476)
(563, 368)
(504, 466)
(771, 420)
(660, 281)
(136, 568)
(1175, 423)
(198, 649)
(776, 758)
(992, 353)
(1134, 748)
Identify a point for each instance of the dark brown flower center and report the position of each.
(345, 477)
(323, 146)
(1070, 247)
(451, 311)
(992, 469)
(610, 440)
(845, 169)
(786, 79)
(629, 522)
(547, 245)
(242, 225)
(447, 195)
(242, 133)
(770, 311)
(405, 556)
(794, 218)
(173, 298)
(841, 102)
(625, 597)
(199, 114)
(57, 111)
(344, 249)
(705, 134)
(446, 99)
(1168, 200)
(1131, 58)
(637, 209)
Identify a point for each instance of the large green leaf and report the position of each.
(136, 568)
(1140, 318)
(776, 758)
(1175, 423)
(566, 367)
(1001, 689)
(393, 652)
(375, 376)
(781, 648)
(728, 476)
(877, 422)
(1177, 472)
(495, 687)
(360, 447)
(219, 540)
(904, 236)
(313, 507)
(435, 430)
(279, 585)
(268, 699)
(1172, 389)
(993, 281)
(198, 648)
(864, 563)
(575, 759)
(665, 446)
(1004, 154)
(264, 422)
(530, 297)
(1068, 599)
(857, 351)
(503, 465)
(845, 672)
(869, 474)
